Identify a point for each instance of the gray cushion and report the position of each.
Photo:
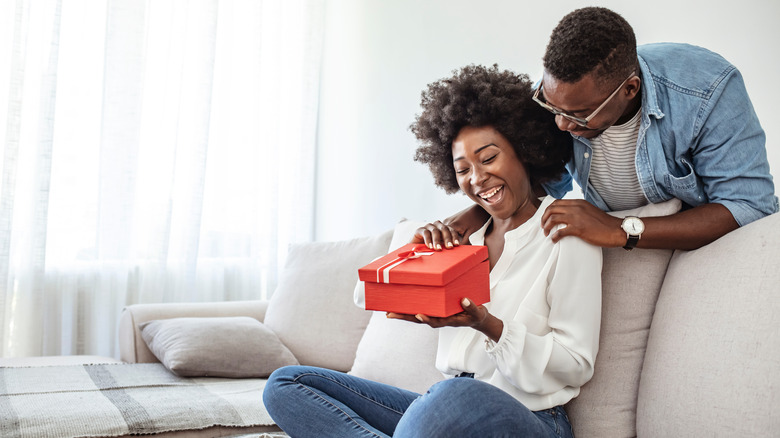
(237, 346)
(631, 280)
(713, 350)
(312, 310)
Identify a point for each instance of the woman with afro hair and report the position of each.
(516, 360)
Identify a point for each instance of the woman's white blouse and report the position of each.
(548, 296)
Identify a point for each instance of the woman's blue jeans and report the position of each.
(316, 402)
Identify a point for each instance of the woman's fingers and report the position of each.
(436, 236)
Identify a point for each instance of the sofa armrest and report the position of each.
(132, 347)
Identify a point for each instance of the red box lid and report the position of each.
(417, 264)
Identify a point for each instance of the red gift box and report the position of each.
(417, 280)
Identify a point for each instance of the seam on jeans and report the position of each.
(348, 389)
(338, 408)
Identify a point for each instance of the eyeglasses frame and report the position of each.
(572, 118)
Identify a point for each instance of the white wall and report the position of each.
(379, 55)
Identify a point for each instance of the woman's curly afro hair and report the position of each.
(481, 96)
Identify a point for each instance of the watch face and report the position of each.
(633, 225)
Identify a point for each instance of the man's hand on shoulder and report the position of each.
(583, 220)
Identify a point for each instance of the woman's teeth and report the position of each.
(489, 194)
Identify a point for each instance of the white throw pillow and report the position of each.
(237, 346)
(398, 353)
(631, 280)
(395, 352)
(403, 232)
(312, 310)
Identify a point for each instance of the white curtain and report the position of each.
(158, 150)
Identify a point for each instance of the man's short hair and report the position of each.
(589, 40)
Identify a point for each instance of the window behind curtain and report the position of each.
(152, 151)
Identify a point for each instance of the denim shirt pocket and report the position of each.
(687, 188)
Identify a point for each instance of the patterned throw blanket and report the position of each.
(121, 399)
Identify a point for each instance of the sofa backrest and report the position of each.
(631, 281)
(713, 355)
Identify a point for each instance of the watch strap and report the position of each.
(633, 239)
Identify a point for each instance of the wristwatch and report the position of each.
(634, 227)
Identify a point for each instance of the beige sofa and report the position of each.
(689, 342)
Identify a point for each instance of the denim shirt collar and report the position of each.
(650, 105)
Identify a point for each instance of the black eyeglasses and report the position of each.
(578, 120)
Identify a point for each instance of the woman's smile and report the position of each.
(492, 196)
(489, 172)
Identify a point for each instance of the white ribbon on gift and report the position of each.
(383, 272)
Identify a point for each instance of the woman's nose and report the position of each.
(478, 176)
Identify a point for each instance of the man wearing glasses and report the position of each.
(648, 124)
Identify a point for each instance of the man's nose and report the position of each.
(565, 124)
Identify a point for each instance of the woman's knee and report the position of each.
(467, 408)
(278, 380)
(447, 406)
(286, 373)
(455, 389)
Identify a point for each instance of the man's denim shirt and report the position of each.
(699, 139)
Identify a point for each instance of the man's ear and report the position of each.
(633, 87)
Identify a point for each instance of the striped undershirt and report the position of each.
(612, 169)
